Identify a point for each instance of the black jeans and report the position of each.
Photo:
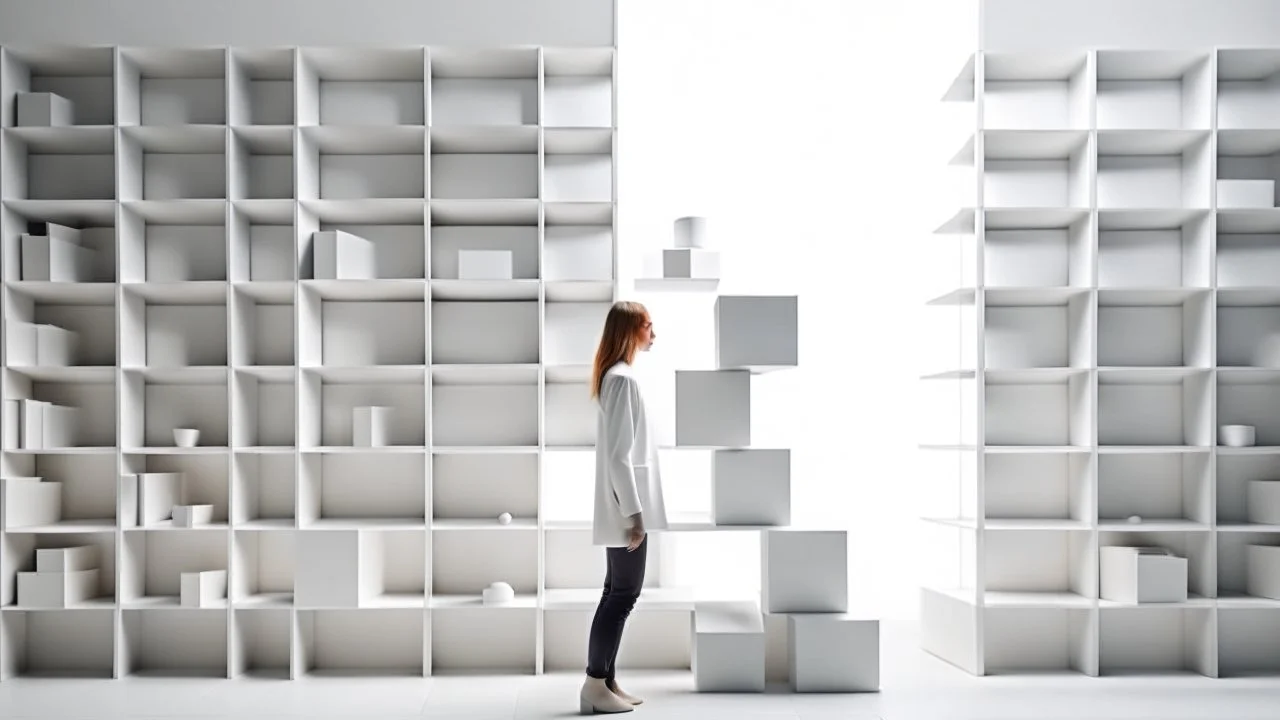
(622, 582)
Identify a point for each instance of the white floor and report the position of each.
(915, 687)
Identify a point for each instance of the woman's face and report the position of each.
(647, 335)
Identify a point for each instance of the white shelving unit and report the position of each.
(1115, 310)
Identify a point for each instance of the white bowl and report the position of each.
(1237, 435)
(186, 437)
(498, 593)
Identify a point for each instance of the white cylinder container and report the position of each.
(498, 593)
(186, 437)
(691, 232)
(1237, 435)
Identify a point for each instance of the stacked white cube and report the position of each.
(690, 264)
(44, 109)
(757, 332)
(751, 486)
(1263, 502)
(35, 424)
(340, 255)
(1142, 575)
(204, 589)
(29, 502)
(485, 265)
(804, 571)
(713, 408)
(56, 256)
(188, 516)
(1262, 571)
(39, 345)
(327, 571)
(62, 578)
(728, 647)
(370, 426)
(1236, 194)
(833, 652)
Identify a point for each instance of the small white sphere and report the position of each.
(497, 593)
(1135, 519)
(504, 518)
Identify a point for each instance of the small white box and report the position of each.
(157, 495)
(1262, 571)
(713, 407)
(192, 515)
(757, 331)
(1246, 193)
(833, 653)
(54, 346)
(484, 265)
(59, 426)
(28, 502)
(328, 572)
(370, 426)
(203, 589)
(20, 344)
(68, 559)
(33, 423)
(1142, 575)
(12, 424)
(691, 232)
(804, 571)
(53, 259)
(44, 109)
(342, 256)
(728, 647)
(690, 264)
(751, 487)
(1262, 503)
(56, 589)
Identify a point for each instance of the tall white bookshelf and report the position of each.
(1113, 307)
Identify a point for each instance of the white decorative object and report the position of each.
(44, 109)
(1135, 519)
(756, 332)
(55, 259)
(504, 519)
(1238, 435)
(728, 647)
(1267, 353)
(56, 589)
(833, 653)
(59, 425)
(370, 426)
(713, 408)
(29, 502)
(691, 232)
(691, 264)
(33, 423)
(187, 516)
(751, 487)
(203, 589)
(1262, 571)
(484, 265)
(498, 593)
(39, 345)
(186, 437)
(804, 571)
(1234, 194)
(67, 559)
(342, 256)
(1142, 575)
(157, 494)
(1262, 502)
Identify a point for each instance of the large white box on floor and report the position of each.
(340, 255)
(1262, 504)
(53, 259)
(1142, 575)
(327, 571)
(804, 571)
(28, 502)
(728, 647)
(691, 264)
(370, 426)
(484, 265)
(67, 559)
(713, 408)
(1262, 571)
(56, 589)
(757, 332)
(751, 486)
(44, 109)
(833, 653)
(1236, 194)
(203, 589)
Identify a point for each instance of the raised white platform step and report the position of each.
(833, 652)
(728, 647)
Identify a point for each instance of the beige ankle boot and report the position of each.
(631, 699)
(596, 697)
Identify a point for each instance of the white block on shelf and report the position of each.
(370, 426)
(65, 233)
(1262, 503)
(20, 344)
(192, 515)
(128, 503)
(55, 346)
(751, 487)
(1246, 193)
(340, 255)
(691, 232)
(804, 571)
(56, 589)
(757, 331)
(1262, 571)
(13, 424)
(44, 109)
(67, 559)
(28, 502)
(327, 571)
(32, 423)
(54, 259)
(157, 495)
(1141, 575)
(484, 265)
(690, 264)
(203, 589)
(59, 426)
(713, 407)
(833, 653)
(728, 647)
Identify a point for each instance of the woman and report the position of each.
(628, 498)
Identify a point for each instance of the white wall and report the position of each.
(813, 137)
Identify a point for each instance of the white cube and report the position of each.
(56, 589)
(187, 516)
(67, 559)
(370, 426)
(328, 574)
(52, 259)
(59, 426)
(1246, 193)
(44, 109)
(157, 495)
(28, 502)
(54, 346)
(804, 571)
(1262, 503)
(833, 653)
(728, 647)
(33, 423)
(1262, 571)
(203, 589)
(1141, 575)
(340, 255)
(757, 332)
(751, 487)
(484, 265)
(65, 233)
(713, 408)
(691, 263)
(691, 232)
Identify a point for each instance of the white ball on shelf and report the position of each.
(1135, 519)
(497, 593)
(504, 519)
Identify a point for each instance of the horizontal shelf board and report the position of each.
(265, 139)
(77, 213)
(961, 296)
(269, 373)
(263, 601)
(1152, 526)
(1248, 142)
(1034, 449)
(952, 375)
(1236, 600)
(1151, 449)
(1046, 600)
(703, 522)
(1033, 65)
(1148, 64)
(75, 139)
(1249, 221)
(961, 523)
(181, 293)
(524, 601)
(651, 598)
(66, 293)
(1193, 601)
(266, 212)
(485, 524)
(1148, 297)
(1248, 296)
(578, 141)
(67, 374)
(355, 450)
(1044, 218)
(588, 61)
(1031, 296)
(484, 289)
(274, 292)
(1248, 528)
(191, 211)
(964, 595)
(962, 223)
(268, 525)
(1148, 375)
(189, 375)
(579, 290)
(578, 213)
(100, 603)
(1032, 144)
(99, 525)
(676, 285)
(1251, 450)
(1148, 218)
(177, 138)
(484, 212)
(168, 526)
(370, 374)
(1033, 376)
(484, 449)
(378, 524)
(485, 374)
(1248, 376)
(948, 448)
(368, 211)
(1149, 142)
(360, 140)
(484, 139)
(965, 156)
(96, 450)
(197, 450)
(1035, 524)
(568, 374)
(962, 88)
(367, 290)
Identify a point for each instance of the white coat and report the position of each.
(628, 474)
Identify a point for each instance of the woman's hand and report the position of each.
(635, 535)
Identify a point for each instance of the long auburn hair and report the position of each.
(620, 339)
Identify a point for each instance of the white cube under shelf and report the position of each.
(690, 264)
(44, 109)
(751, 487)
(327, 571)
(370, 426)
(1141, 575)
(1262, 503)
(728, 647)
(67, 559)
(56, 589)
(187, 516)
(1262, 571)
(485, 265)
(757, 331)
(713, 408)
(29, 502)
(833, 652)
(203, 589)
(1237, 194)
(52, 259)
(340, 255)
(804, 571)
